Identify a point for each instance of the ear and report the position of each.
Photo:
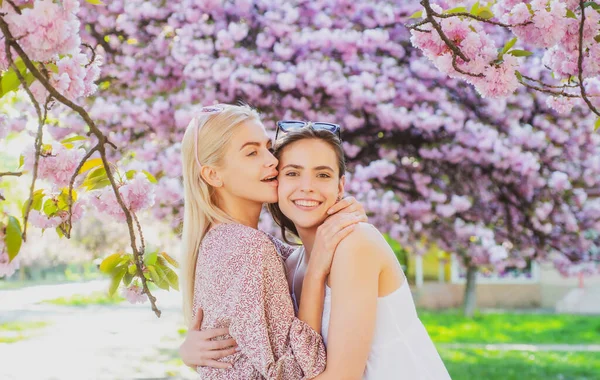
(211, 176)
(341, 186)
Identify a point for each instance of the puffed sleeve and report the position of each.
(279, 345)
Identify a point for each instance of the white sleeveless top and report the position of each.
(401, 348)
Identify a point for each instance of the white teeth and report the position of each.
(306, 203)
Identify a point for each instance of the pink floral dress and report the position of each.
(241, 284)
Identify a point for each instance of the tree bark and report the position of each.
(470, 301)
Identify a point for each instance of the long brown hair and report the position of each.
(291, 137)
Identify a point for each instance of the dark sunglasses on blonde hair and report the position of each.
(285, 126)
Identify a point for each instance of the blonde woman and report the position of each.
(235, 272)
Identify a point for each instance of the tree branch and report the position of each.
(102, 140)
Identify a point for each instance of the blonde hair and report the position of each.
(200, 203)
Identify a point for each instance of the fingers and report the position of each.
(344, 203)
(343, 233)
(220, 344)
(197, 322)
(216, 364)
(213, 333)
(339, 221)
(221, 353)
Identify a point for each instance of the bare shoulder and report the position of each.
(364, 234)
(361, 243)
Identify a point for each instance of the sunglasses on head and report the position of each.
(286, 126)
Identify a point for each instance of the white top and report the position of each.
(401, 348)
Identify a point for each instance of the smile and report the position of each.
(307, 204)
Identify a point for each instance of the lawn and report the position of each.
(96, 298)
(11, 332)
(467, 364)
(452, 327)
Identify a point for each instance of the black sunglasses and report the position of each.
(289, 125)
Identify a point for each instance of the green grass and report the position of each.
(451, 327)
(11, 332)
(96, 298)
(467, 364)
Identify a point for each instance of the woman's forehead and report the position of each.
(309, 153)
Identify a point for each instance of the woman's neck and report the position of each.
(307, 235)
(243, 211)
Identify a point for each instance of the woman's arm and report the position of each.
(329, 234)
(277, 344)
(354, 282)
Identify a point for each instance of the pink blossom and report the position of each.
(460, 203)
(7, 269)
(559, 181)
(286, 81)
(134, 294)
(47, 30)
(56, 165)
(445, 210)
(561, 104)
(137, 194)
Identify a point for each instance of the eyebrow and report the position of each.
(255, 143)
(317, 168)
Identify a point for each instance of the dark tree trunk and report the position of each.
(470, 301)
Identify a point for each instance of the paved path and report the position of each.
(524, 347)
(96, 342)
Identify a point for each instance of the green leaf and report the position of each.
(21, 161)
(597, 125)
(485, 13)
(99, 184)
(418, 14)
(90, 164)
(570, 14)
(38, 196)
(10, 81)
(130, 174)
(116, 279)
(518, 74)
(592, 4)
(50, 207)
(171, 277)
(520, 53)
(52, 67)
(159, 278)
(132, 269)
(150, 177)
(73, 139)
(170, 260)
(456, 10)
(150, 258)
(127, 278)
(475, 8)
(96, 179)
(109, 263)
(597, 38)
(63, 199)
(59, 232)
(13, 238)
(509, 44)
(95, 2)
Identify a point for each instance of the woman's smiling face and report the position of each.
(309, 182)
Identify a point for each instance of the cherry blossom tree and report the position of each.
(498, 182)
(462, 42)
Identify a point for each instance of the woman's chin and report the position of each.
(307, 223)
